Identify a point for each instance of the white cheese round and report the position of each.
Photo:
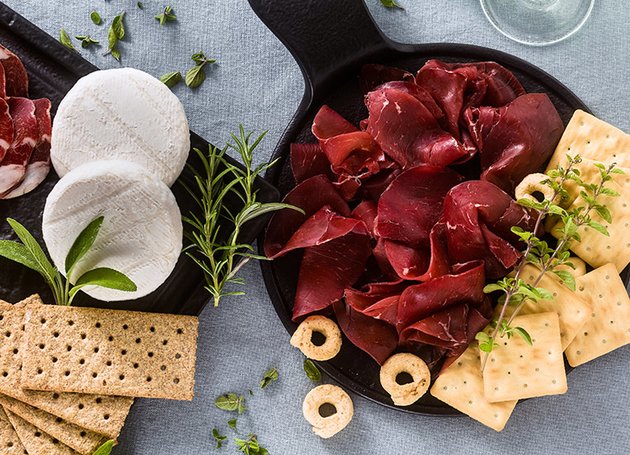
(141, 235)
(123, 114)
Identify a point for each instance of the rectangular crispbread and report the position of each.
(572, 310)
(608, 326)
(78, 438)
(113, 352)
(35, 441)
(87, 411)
(10, 443)
(516, 370)
(461, 386)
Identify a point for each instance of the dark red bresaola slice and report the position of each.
(373, 75)
(13, 166)
(328, 123)
(421, 94)
(7, 131)
(377, 300)
(15, 73)
(366, 211)
(413, 203)
(308, 160)
(3, 83)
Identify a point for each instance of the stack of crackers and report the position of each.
(68, 376)
(580, 325)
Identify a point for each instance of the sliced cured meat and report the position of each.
(479, 216)
(413, 204)
(39, 165)
(374, 336)
(408, 132)
(373, 75)
(7, 130)
(328, 123)
(13, 166)
(500, 86)
(521, 141)
(377, 300)
(3, 83)
(14, 72)
(422, 300)
(417, 92)
(310, 195)
(366, 211)
(308, 160)
(329, 268)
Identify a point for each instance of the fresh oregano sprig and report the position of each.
(167, 15)
(30, 254)
(116, 32)
(271, 375)
(250, 446)
(196, 75)
(538, 252)
(217, 180)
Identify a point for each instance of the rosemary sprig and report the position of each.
(547, 259)
(218, 180)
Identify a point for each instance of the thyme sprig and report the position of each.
(538, 252)
(215, 183)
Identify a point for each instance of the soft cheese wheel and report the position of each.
(122, 114)
(141, 235)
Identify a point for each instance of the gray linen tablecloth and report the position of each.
(257, 83)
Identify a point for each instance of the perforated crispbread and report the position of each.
(461, 386)
(87, 411)
(572, 310)
(516, 370)
(82, 440)
(35, 441)
(113, 352)
(608, 328)
(10, 443)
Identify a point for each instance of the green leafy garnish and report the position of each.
(86, 40)
(31, 255)
(219, 180)
(269, 376)
(391, 4)
(116, 32)
(231, 402)
(96, 18)
(166, 15)
(196, 75)
(171, 79)
(116, 54)
(140, 5)
(105, 449)
(232, 423)
(250, 446)
(65, 40)
(218, 438)
(312, 372)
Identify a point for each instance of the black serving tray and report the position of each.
(52, 70)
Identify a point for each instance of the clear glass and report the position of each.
(537, 22)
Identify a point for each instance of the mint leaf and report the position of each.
(195, 76)
(269, 376)
(312, 372)
(96, 18)
(171, 79)
(65, 40)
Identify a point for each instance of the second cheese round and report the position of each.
(121, 114)
(141, 235)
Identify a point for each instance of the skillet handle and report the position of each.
(322, 35)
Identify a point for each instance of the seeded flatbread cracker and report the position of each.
(608, 326)
(87, 411)
(113, 352)
(572, 310)
(516, 370)
(79, 439)
(35, 441)
(10, 443)
(461, 386)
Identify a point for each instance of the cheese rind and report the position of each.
(141, 235)
(121, 114)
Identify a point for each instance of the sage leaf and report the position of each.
(33, 247)
(195, 76)
(96, 18)
(65, 40)
(107, 278)
(105, 449)
(391, 4)
(312, 372)
(19, 253)
(118, 27)
(82, 244)
(171, 79)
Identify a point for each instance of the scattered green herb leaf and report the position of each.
(116, 32)
(166, 15)
(232, 423)
(118, 26)
(269, 376)
(218, 438)
(312, 372)
(196, 75)
(250, 392)
(86, 40)
(116, 54)
(65, 40)
(96, 18)
(250, 446)
(391, 4)
(140, 5)
(171, 79)
(105, 449)
(231, 402)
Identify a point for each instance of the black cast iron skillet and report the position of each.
(331, 40)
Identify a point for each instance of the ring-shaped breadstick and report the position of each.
(325, 427)
(405, 394)
(301, 338)
(531, 184)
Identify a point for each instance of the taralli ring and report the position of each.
(405, 394)
(325, 427)
(530, 185)
(302, 338)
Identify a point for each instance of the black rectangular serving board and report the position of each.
(52, 70)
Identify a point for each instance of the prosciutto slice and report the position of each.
(7, 130)
(39, 164)
(16, 79)
(13, 166)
